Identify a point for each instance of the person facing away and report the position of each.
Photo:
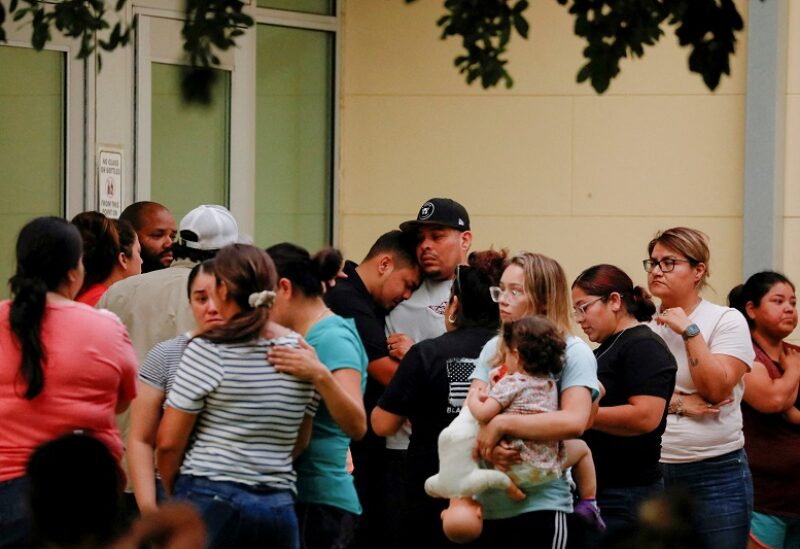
(155, 228)
(111, 252)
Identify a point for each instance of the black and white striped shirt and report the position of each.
(250, 414)
(161, 363)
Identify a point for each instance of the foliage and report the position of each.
(209, 25)
(80, 19)
(613, 30)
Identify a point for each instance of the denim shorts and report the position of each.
(238, 515)
(722, 491)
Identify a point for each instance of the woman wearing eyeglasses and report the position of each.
(535, 284)
(637, 371)
(702, 447)
(431, 384)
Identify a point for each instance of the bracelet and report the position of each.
(676, 406)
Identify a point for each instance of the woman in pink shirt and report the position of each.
(63, 365)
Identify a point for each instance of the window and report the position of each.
(321, 7)
(294, 135)
(32, 143)
(190, 144)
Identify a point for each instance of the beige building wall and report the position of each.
(547, 166)
(791, 237)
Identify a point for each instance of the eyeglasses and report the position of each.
(496, 292)
(580, 310)
(457, 281)
(667, 265)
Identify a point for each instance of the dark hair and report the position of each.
(101, 246)
(244, 269)
(538, 342)
(134, 214)
(75, 492)
(180, 251)
(206, 267)
(471, 286)
(307, 273)
(402, 246)
(603, 280)
(127, 236)
(47, 249)
(756, 287)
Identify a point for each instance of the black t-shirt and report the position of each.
(350, 299)
(630, 363)
(429, 388)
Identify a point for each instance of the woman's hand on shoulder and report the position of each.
(302, 363)
(789, 359)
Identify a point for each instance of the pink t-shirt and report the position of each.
(90, 366)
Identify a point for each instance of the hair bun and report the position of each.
(326, 263)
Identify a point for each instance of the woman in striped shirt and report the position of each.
(247, 421)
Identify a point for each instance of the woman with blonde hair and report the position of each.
(702, 447)
(535, 284)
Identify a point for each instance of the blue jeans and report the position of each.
(14, 517)
(237, 515)
(722, 491)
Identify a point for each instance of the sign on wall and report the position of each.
(109, 182)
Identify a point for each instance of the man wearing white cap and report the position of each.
(153, 306)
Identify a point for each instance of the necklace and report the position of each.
(613, 343)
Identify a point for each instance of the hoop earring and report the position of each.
(451, 320)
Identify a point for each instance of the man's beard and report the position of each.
(152, 262)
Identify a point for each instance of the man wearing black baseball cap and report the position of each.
(443, 239)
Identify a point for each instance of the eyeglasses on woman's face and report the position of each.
(512, 292)
(666, 265)
(580, 310)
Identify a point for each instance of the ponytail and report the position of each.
(246, 271)
(47, 249)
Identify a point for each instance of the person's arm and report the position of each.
(398, 345)
(385, 423)
(792, 415)
(303, 436)
(145, 416)
(481, 405)
(768, 395)
(641, 415)
(341, 389)
(382, 369)
(171, 440)
(714, 374)
(569, 421)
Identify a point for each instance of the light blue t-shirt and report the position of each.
(580, 370)
(322, 475)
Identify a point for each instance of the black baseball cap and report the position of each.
(439, 211)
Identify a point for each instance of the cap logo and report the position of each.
(425, 211)
(461, 222)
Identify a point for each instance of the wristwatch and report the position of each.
(690, 331)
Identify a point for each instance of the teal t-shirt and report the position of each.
(322, 475)
(580, 370)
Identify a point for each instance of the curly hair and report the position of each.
(539, 343)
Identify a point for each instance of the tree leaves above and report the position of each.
(612, 29)
(210, 25)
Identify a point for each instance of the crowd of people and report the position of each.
(295, 399)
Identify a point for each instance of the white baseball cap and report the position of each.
(209, 227)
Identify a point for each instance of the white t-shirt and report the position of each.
(694, 439)
(420, 317)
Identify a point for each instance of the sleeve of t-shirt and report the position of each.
(403, 393)
(152, 370)
(371, 331)
(506, 390)
(483, 364)
(337, 348)
(199, 373)
(731, 337)
(580, 368)
(128, 364)
(649, 369)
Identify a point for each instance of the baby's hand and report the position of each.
(482, 394)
